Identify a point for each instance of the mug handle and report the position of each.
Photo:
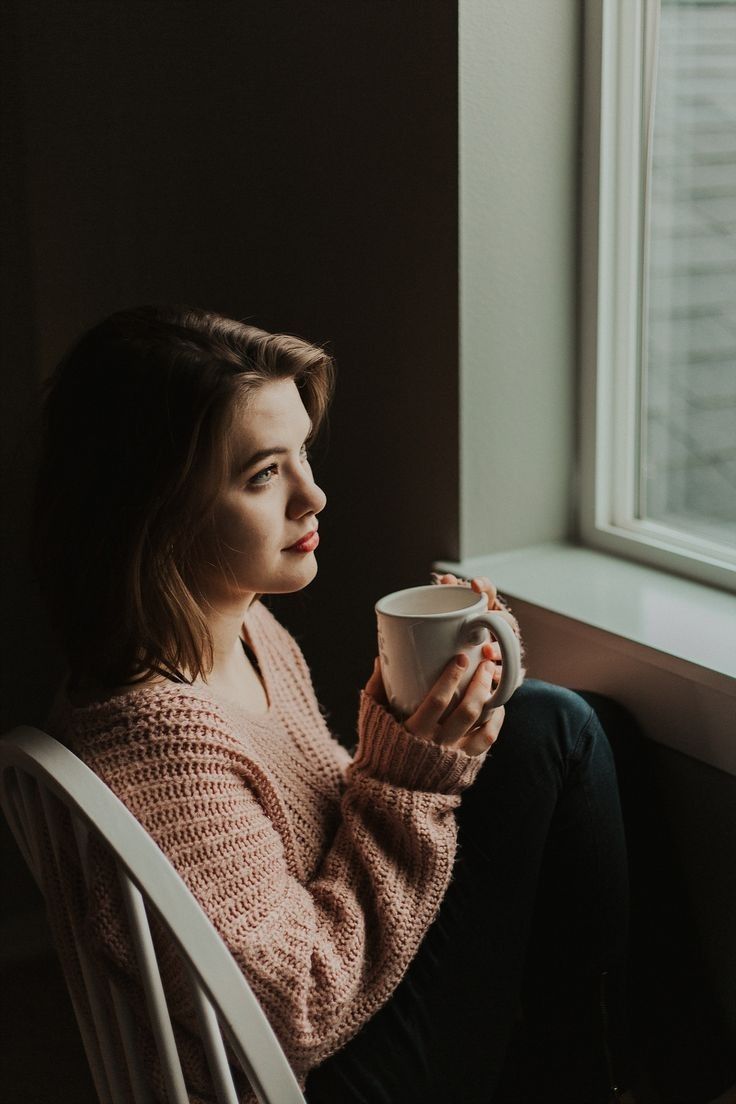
(510, 658)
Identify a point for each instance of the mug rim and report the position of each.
(440, 614)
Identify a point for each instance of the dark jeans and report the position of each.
(517, 992)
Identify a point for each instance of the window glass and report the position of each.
(688, 390)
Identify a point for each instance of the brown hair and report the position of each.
(136, 430)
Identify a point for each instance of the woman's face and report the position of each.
(270, 502)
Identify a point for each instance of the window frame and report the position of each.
(617, 113)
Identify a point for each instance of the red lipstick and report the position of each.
(306, 544)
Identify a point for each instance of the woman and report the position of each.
(383, 906)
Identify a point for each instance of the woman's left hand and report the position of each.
(482, 585)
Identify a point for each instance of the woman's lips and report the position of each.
(306, 544)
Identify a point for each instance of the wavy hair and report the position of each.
(136, 430)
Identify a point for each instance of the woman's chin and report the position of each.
(301, 577)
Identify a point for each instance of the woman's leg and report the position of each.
(573, 1041)
(540, 827)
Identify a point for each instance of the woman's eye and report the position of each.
(258, 480)
(264, 477)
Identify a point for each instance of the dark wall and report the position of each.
(291, 164)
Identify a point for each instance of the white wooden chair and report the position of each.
(39, 780)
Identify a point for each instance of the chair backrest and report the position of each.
(45, 789)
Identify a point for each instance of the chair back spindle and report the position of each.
(55, 804)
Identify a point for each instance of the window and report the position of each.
(658, 302)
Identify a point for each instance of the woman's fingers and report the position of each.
(448, 718)
(483, 585)
(492, 650)
(374, 687)
(448, 577)
(508, 616)
(480, 739)
(425, 719)
(464, 717)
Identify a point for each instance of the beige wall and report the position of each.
(519, 106)
(519, 103)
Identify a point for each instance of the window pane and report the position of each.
(688, 423)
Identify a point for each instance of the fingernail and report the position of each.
(462, 660)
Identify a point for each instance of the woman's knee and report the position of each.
(536, 697)
(548, 731)
(541, 715)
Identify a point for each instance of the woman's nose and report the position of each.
(309, 498)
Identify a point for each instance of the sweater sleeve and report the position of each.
(324, 955)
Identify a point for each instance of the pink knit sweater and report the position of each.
(322, 873)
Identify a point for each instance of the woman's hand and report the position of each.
(446, 718)
(443, 717)
(482, 585)
(374, 687)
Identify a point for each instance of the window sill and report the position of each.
(663, 645)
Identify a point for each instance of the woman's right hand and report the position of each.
(446, 718)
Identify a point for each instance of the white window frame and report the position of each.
(620, 49)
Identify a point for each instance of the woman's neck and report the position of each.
(226, 629)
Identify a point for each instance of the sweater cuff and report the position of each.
(389, 753)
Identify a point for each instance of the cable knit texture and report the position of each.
(322, 873)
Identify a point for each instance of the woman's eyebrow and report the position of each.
(261, 454)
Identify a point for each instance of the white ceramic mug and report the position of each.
(419, 631)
